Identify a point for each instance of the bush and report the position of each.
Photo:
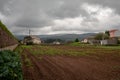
(118, 41)
(29, 43)
(10, 66)
(76, 40)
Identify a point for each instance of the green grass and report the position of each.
(75, 44)
(82, 50)
(49, 50)
(109, 47)
(28, 62)
(20, 48)
(94, 46)
(79, 44)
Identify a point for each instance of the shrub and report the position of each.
(76, 40)
(10, 66)
(29, 43)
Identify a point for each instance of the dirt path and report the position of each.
(69, 68)
(9, 47)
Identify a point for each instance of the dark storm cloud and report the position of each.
(60, 15)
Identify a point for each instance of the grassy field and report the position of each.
(75, 50)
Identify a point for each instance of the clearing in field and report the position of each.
(70, 62)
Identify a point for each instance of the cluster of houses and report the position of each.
(113, 40)
(32, 39)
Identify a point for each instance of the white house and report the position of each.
(31, 40)
(85, 40)
(56, 42)
(89, 39)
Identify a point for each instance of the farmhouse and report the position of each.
(31, 40)
(91, 40)
(87, 39)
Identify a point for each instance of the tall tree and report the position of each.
(101, 36)
(107, 33)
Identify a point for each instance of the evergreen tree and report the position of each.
(107, 33)
(76, 40)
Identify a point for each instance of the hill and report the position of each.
(65, 37)
(6, 37)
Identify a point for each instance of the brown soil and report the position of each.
(70, 67)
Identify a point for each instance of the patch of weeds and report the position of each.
(28, 62)
(83, 49)
(27, 46)
(77, 53)
(39, 58)
(19, 49)
(117, 67)
(109, 47)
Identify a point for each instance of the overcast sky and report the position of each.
(60, 16)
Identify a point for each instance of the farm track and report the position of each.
(58, 67)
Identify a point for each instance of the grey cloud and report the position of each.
(32, 23)
(42, 13)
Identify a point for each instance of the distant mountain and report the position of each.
(6, 37)
(66, 37)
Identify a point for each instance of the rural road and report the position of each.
(9, 47)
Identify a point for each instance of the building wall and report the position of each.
(85, 41)
(112, 41)
(117, 33)
(35, 41)
(104, 42)
(114, 33)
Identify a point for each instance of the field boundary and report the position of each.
(9, 47)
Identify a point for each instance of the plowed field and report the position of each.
(70, 63)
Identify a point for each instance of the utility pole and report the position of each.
(103, 36)
(29, 32)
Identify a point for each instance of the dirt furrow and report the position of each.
(43, 75)
(62, 67)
